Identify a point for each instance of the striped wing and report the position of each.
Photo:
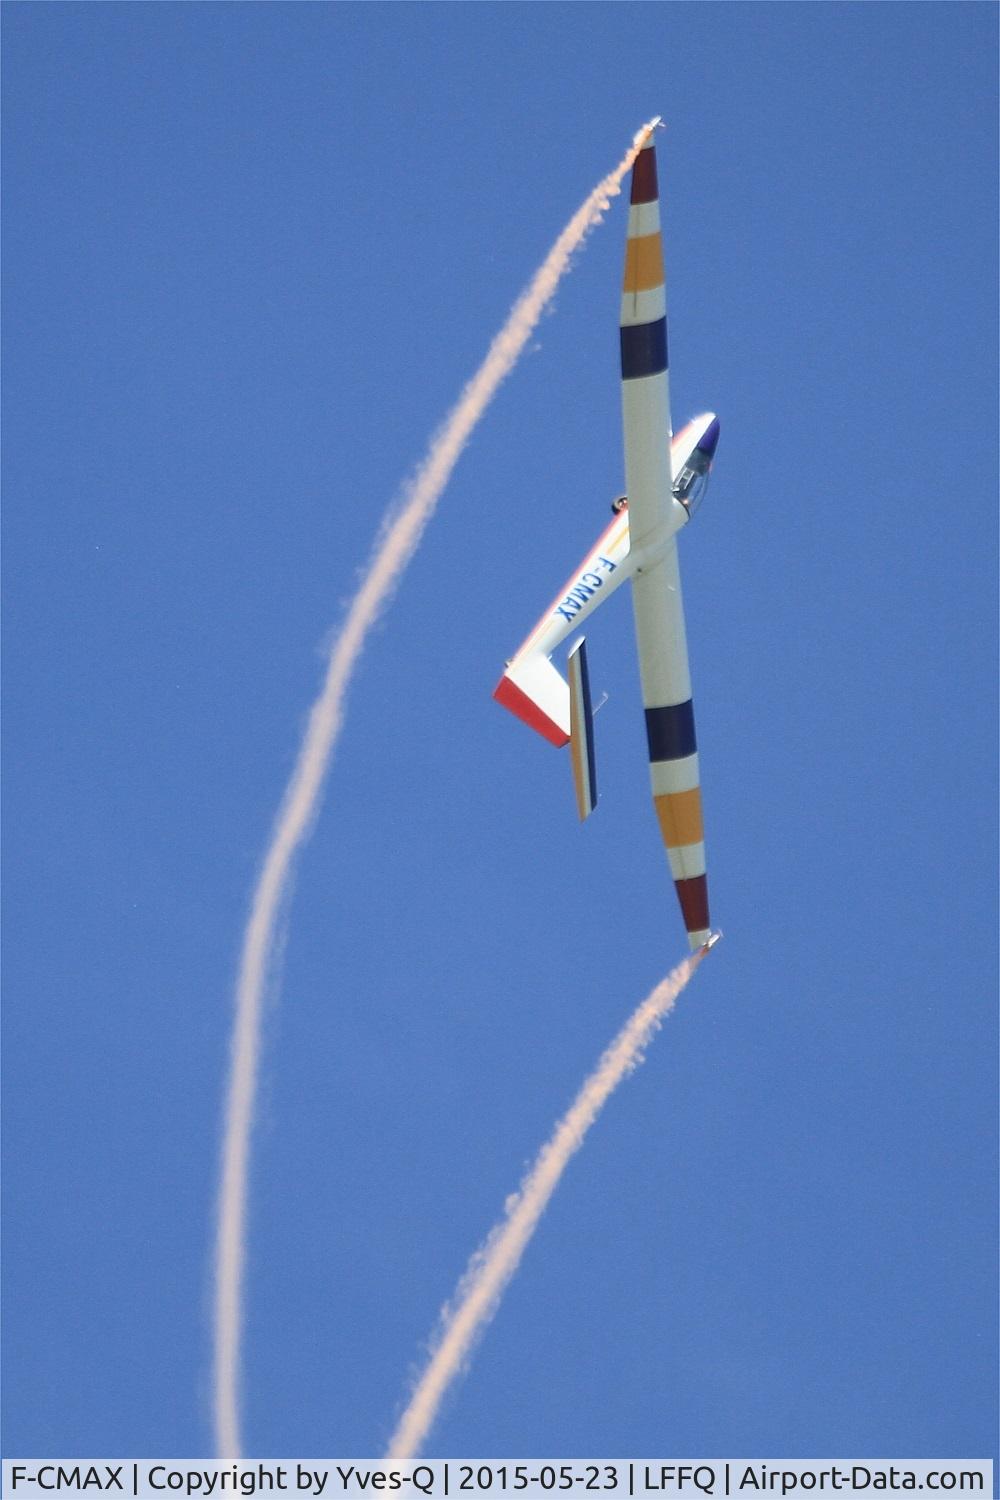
(654, 516)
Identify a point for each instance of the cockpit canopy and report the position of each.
(692, 482)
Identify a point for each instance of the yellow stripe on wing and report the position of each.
(643, 263)
(679, 815)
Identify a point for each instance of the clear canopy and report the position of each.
(692, 482)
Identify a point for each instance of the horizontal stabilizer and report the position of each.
(581, 734)
(533, 690)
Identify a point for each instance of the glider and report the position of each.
(665, 479)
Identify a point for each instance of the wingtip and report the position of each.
(710, 943)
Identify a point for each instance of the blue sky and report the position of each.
(251, 254)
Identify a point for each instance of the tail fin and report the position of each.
(581, 736)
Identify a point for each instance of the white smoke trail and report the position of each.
(494, 1263)
(298, 807)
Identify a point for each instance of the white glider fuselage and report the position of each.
(612, 559)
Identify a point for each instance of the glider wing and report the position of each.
(665, 477)
(655, 516)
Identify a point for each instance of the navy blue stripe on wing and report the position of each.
(670, 731)
(644, 349)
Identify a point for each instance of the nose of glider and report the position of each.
(709, 440)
